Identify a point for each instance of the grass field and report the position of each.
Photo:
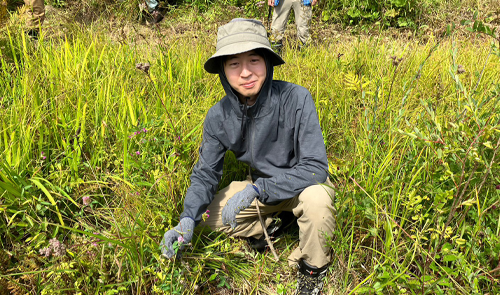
(96, 152)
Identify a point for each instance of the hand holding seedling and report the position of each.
(182, 234)
(240, 201)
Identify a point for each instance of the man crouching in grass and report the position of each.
(273, 127)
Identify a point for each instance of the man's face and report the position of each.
(246, 73)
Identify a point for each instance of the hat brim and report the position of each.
(212, 64)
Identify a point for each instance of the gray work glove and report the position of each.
(240, 201)
(182, 233)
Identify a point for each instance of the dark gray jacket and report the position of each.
(280, 139)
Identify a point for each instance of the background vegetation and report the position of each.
(100, 122)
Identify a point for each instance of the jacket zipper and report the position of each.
(251, 141)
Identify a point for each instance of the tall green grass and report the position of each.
(97, 152)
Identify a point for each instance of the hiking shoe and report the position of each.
(310, 279)
(283, 221)
(260, 244)
(277, 47)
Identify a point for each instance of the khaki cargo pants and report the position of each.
(315, 216)
(36, 13)
(303, 15)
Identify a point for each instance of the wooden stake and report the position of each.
(269, 242)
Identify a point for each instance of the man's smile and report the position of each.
(249, 84)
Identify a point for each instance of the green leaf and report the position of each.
(325, 15)
(49, 196)
(399, 3)
(384, 275)
(353, 12)
(403, 22)
(212, 277)
(449, 257)
(6, 187)
(391, 13)
(488, 144)
(447, 246)
(444, 282)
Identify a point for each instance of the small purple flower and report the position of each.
(144, 130)
(138, 193)
(94, 243)
(138, 153)
(498, 186)
(56, 248)
(46, 252)
(180, 239)
(86, 200)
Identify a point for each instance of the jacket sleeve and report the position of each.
(205, 176)
(312, 165)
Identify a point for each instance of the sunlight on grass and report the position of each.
(96, 151)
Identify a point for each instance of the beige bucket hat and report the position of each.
(238, 36)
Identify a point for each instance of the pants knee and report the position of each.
(317, 202)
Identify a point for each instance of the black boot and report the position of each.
(310, 279)
(260, 244)
(279, 224)
(277, 46)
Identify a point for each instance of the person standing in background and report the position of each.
(36, 15)
(153, 9)
(303, 15)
